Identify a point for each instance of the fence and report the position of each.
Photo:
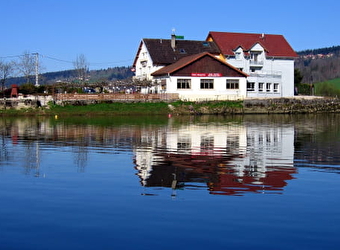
(116, 97)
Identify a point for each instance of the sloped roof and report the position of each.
(191, 59)
(162, 53)
(274, 45)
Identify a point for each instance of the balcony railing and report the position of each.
(273, 74)
(256, 63)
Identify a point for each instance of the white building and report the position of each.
(202, 77)
(154, 54)
(267, 59)
(267, 62)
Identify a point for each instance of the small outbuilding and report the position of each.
(202, 77)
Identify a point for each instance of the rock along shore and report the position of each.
(294, 105)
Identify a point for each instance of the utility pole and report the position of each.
(36, 69)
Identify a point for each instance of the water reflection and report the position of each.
(227, 158)
(224, 156)
(317, 143)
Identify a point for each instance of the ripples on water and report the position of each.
(247, 182)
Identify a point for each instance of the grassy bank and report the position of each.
(250, 106)
(136, 108)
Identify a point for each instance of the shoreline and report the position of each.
(294, 105)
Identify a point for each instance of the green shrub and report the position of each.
(327, 89)
(304, 89)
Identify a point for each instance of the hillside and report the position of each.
(319, 65)
(109, 74)
(315, 65)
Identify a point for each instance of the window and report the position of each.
(183, 83)
(184, 144)
(182, 51)
(268, 85)
(261, 84)
(250, 86)
(207, 143)
(276, 87)
(238, 55)
(232, 83)
(207, 83)
(254, 56)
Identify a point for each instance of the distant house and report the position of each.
(262, 64)
(202, 77)
(267, 59)
(154, 54)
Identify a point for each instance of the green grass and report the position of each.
(328, 88)
(127, 109)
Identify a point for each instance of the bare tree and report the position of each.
(6, 69)
(81, 66)
(26, 65)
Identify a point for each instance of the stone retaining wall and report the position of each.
(292, 105)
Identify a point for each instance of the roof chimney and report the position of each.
(173, 41)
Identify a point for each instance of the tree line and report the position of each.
(318, 65)
(25, 69)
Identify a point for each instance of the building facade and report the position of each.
(267, 59)
(202, 77)
(154, 54)
(266, 62)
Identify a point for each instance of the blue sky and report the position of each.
(108, 32)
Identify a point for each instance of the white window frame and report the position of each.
(251, 86)
(261, 85)
(207, 84)
(233, 84)
(183, 83)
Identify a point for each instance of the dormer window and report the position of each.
(238, 55)
(254, 56)
(256, 59)
(182, 51)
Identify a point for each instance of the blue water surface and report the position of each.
(93, 197)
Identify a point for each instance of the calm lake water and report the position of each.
(241, 182)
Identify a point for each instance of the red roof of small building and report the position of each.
(185, 61)
(274, 45)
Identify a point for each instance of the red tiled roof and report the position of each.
(274, 45)
(190, 59)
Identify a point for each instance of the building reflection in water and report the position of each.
(228, 160)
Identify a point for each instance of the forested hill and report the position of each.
(315, 65)
(102, 75)
(319, 65)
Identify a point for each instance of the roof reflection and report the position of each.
(228, 160)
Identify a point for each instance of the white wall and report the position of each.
(220, 92)
(270, 67)
(144, 65)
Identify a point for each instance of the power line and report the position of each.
(10, 56)
(37, 55)
(56, 59)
